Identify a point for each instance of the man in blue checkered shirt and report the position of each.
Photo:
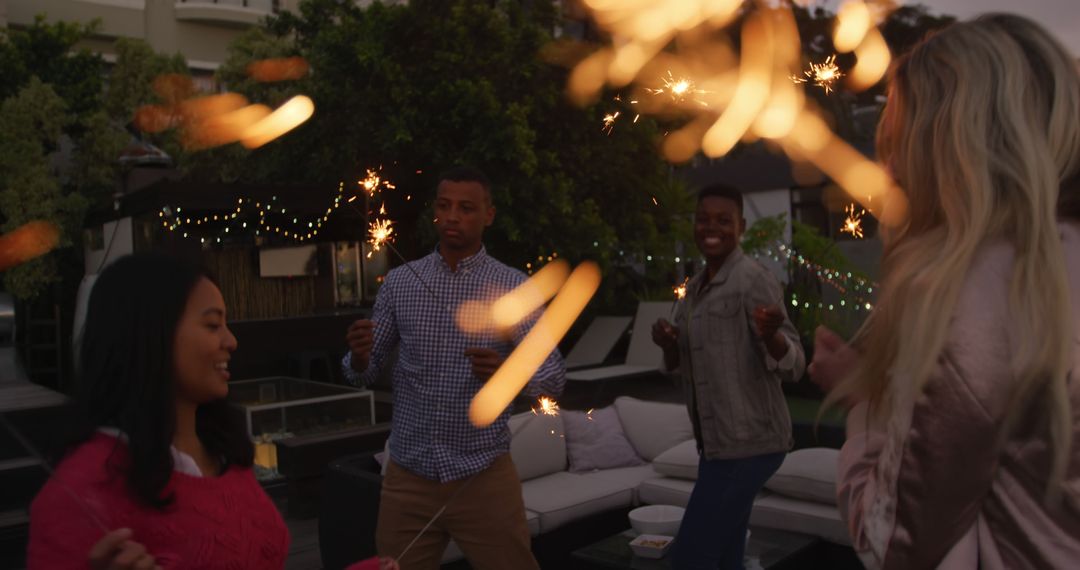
(443, 360)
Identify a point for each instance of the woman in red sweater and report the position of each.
(158, 474)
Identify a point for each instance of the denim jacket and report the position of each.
(731, 384)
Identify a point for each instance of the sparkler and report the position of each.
(609, 122)
(823, 74)
(526, 298)
(435, 517)
(381, 233)
(285, 118)
(853, 223)
(374, 181)
(519, 367)
(680, 294)
(26, 242)
(679, 89)
(751, 93)
(215, 120)
(278, 69)
(548, 407)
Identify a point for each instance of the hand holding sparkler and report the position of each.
(767, 320)
(665, 335)
(484, 362)
(834, 359)
(361, 338)
(116, 551)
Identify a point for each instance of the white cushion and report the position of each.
(533, 520)
(665, 491)
(626, 477)
(680, 461)
(564, 497)
(784, 513)
(537, 445)
(653, 427)
(808, 474)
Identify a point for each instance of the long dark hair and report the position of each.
(126, 373)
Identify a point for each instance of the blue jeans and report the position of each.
(713, 530)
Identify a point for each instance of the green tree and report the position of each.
(59, 143)
(31, 123)
(47, 51)
(417, 88)
(132, 77)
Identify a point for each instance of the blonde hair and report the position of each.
(981, 130)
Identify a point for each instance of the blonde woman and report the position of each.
(964, 440)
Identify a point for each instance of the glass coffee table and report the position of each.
(767, 549)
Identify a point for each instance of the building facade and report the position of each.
(200, 30)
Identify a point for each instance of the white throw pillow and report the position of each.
(680, 461)
(808, 474)
(653, 427)
(596, 441)
(537, 445)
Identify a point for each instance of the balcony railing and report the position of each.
(235, 12)
(264, 5)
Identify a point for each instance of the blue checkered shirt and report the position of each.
(433, 381)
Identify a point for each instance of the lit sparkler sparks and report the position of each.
(609, 122)
(680, 290)
(853, 223)
(680, 294)
(380, 233)
(374, 182)
(548, 407)
(679, 89)
(823, 74)
(747, 99)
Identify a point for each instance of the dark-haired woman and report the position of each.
(158, 474)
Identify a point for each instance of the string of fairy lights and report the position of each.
(855, 289)
(238, 219)
(268, 217)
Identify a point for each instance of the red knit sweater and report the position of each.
(213, 522)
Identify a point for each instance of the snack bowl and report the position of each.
(657, 519)
(651, 545)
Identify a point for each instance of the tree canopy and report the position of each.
(421, 87)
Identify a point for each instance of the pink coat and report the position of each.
(939, 488)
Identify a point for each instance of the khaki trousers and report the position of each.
(486, 519)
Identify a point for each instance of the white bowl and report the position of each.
(651, 545)
(657, 519)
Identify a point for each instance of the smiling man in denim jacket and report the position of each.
(732, 345)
